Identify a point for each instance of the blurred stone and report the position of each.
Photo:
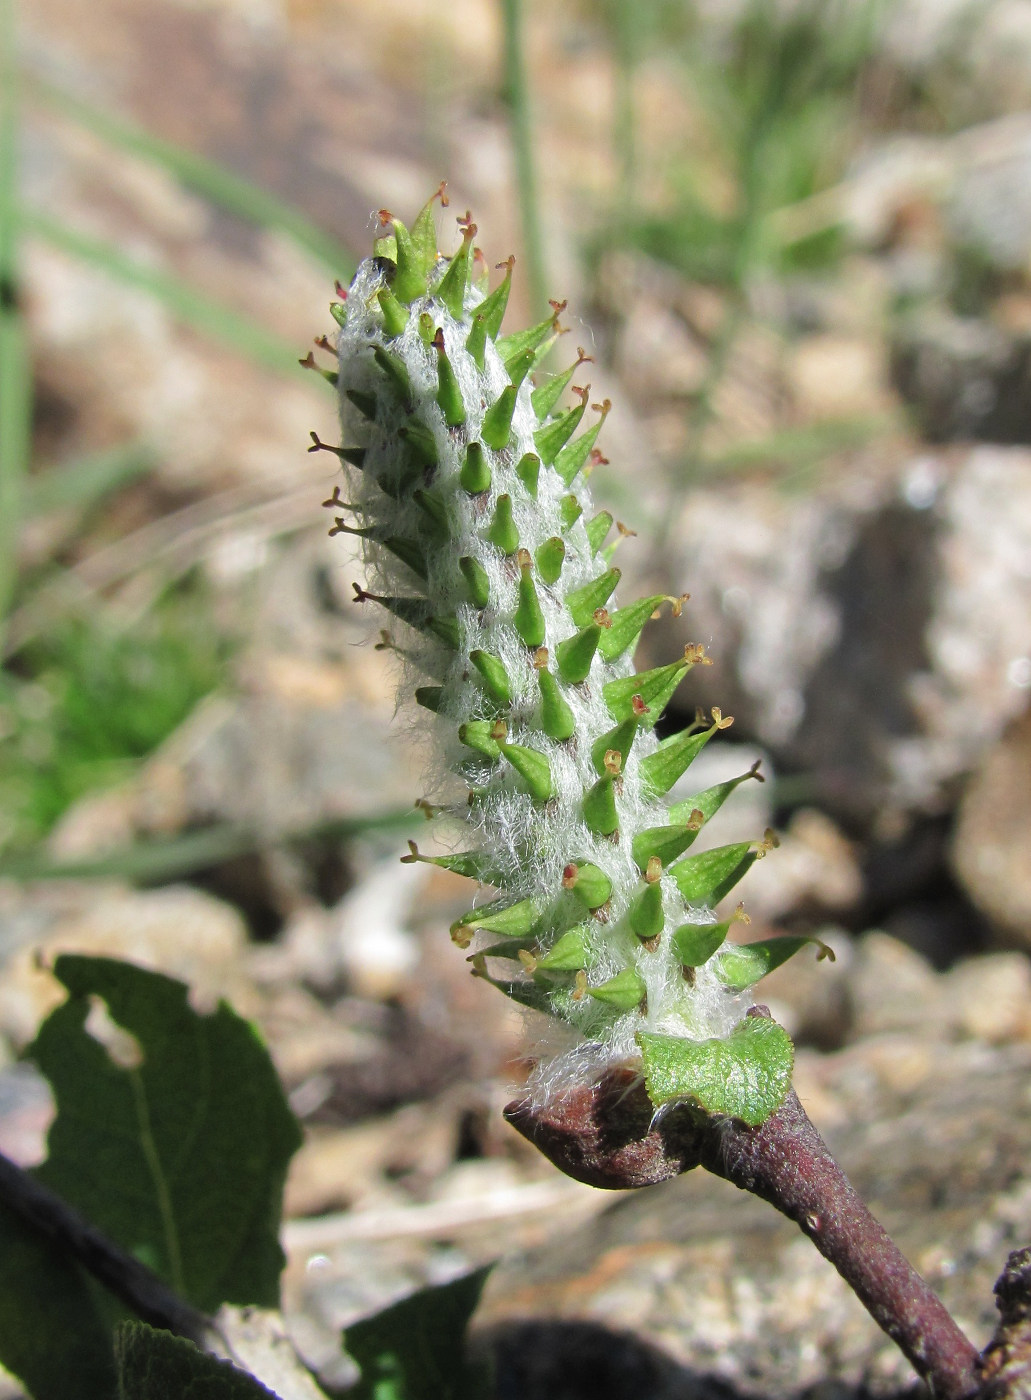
(993, 833)
(990, 997)
(175, 930)
(874, 633)
(894, 989)
(835, 376)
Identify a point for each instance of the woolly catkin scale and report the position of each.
(466, 484)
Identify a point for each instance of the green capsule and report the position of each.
(474, 865)
(550, 558)
(355, 455)
(573, 457)
(427, 330)
(575, 654)
(448, 629)
(618, 740)
(582, 603)
(546, 395)
(431, 503)
(528, 619)
(570, 511)
(424, 234)
(557, 719)
(410, 273)
(646, 917)
(597, 528)
(661, 769)
(452, 286)
(696, 943)
(510, 920)
(338, 310)
(712, 799)
(550, 439)
(511, 346)
(414, 611)
(421, 442)
(599, 808)
(644, 695)
(404, 549)
(449, 393)
(364, 403)
(429, 696)
(706, 878)
(395, 317)
(528, 470)
(664, 842)
(477, 580)
(475, 476)
(571, 952)
(534, 769)
(502, 529)
(627, 625)
(626, 991)
(495, 677)
(741, 965)
(493, 307)
(478, 734)
(497, 421)
(476, 340)
(589, 882)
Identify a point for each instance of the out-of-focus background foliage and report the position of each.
(795, 235)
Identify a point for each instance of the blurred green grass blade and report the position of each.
(517, 98)
(238, 332)
(208, 178)
(154, 862)
(15, 365)
(85, 481)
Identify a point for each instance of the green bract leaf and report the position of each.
(415, 1349)
(745, 1076)
(180, 1159)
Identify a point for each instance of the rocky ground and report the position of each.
(867, 599)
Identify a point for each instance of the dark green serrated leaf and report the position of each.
(415, 1349)
(181, 1159)
(154, 1365)
(746, 1075)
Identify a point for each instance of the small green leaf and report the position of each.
(741, 965)
(415, 1349)
(597, 528)
(746, 1075)
(181, 1159)
(509, 920)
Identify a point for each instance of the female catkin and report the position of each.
(466, 470)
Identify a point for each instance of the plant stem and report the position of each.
(15, 372)
(517, 97)
(131, 1282)
(607, 1135)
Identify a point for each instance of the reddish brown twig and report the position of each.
(606, 1135)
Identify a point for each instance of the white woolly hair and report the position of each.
(530, 844)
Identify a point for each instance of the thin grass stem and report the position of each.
(517, 98)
